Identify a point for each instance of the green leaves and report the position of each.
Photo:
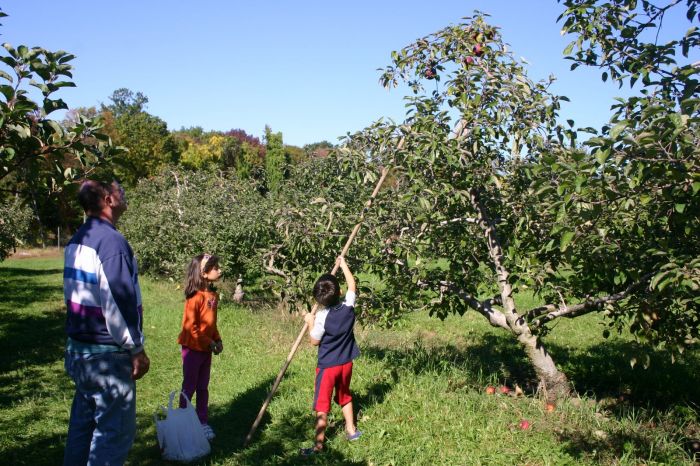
(565, 240)
(39, 161)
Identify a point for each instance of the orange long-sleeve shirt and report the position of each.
(199, 321)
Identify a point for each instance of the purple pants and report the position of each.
(196, 368)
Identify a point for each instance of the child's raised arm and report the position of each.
(349, 279)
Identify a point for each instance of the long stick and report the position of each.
(290, 356)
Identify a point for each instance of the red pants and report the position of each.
(327, 379)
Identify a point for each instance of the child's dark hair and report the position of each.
(327, 290)
(194, 281)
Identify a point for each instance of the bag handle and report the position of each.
(163, 412)
(172, 397)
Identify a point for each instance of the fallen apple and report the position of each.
(490, 390)
(524, 424)
(550, 407)
(505, 390)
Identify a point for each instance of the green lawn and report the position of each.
(419, 388)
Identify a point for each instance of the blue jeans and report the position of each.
(103, 416)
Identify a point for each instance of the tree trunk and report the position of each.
(553, 383)
(238, 293)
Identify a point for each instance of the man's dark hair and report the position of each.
(327, 290)
(92, 193)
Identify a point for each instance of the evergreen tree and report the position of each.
(275, 160)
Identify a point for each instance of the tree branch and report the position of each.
(269, 262)
(543, 314)
(495, 317)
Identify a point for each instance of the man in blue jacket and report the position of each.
(104, 349)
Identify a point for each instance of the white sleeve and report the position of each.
(319, 325)
(350, 298)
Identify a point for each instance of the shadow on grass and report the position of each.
(602, 371)
(664, 396)
(608, 449)
(31, 340)
(41, 451)
(494, 359)
(232, 422)
(270, 444)
(15, 292)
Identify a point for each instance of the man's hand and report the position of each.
(218, 347)
(139, 364)
(309, 319)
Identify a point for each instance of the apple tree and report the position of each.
(313, 212)
(39, 158)
(629, 208)
(490, 196)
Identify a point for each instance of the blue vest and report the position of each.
(338, 345)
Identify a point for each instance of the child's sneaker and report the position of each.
(311, 451)
(208, 432)
(354, 436)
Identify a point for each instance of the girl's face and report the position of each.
(213, 275)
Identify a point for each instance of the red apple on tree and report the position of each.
(469, 61)
(478, 50)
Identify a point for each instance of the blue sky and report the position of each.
(306, 68)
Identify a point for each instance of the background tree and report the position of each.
(151, 146)
(245, 154)
(318, 148)
(295, 155)
(275, 160)
(126, 101)
(194, 211)
(15, 221)
(206, 154)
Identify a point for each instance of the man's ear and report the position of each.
(107, 200)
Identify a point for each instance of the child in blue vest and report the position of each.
(331, 329)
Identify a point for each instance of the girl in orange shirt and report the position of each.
(199, 336)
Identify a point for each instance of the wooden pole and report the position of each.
(290, 356)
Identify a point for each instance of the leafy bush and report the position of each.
(14, 226)
(176, 215)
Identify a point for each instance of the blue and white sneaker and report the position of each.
(208, 432)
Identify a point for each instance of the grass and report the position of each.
(419, 388)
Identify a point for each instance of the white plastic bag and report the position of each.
(180, 434)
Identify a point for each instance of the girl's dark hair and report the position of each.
(194, 280)
(327, 290)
